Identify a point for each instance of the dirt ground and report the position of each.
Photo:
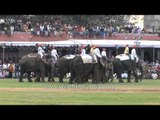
(117, 90)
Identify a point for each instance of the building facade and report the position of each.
(152, 21)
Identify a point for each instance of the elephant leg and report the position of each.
(21, 76)
(93, 79)
(52, 74)
(83, 78)
(49, 77)
(111, 77)
(79, 79)
(42, 76)
(120, 78)
(62, 74)
(38, 77)
(29, 77)
(96, 76)
(129, 77)
(86, 78)
(73, 76)
(101, 76)
(111, 74)
(135, 75)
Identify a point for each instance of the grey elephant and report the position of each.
(63, 65)
(126, 63)
(33, 63)
(82, 67)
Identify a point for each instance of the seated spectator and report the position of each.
(154, 75)
(25, 28)
(37, 29)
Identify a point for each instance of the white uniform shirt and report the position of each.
(133, 52)
(54, 54)
(83, 51)
(104, 53)
(40, 51)
(96, 51)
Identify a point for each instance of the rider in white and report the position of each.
(96, 51)
(40, 50)
(103, 53)
(54, 53)
(133, 52)
(83, 50)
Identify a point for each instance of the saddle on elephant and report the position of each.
(70, 56)
(36, 56)
(123, 57)
(88, 59)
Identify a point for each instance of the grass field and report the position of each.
(12, 92)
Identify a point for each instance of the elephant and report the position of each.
(63, 65)
(34, 63)
(125, 63)
(107, 74)
(82, 67)
(141, 65)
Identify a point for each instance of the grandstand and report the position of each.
(62, 33)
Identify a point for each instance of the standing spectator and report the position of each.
(37, 29)
(19, 24)
(154, 75)
(157, 63)
(45, 30)
(4, 67)
(11, 70)
(12, 29)
(41, 29)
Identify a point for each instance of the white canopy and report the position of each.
(100, 43)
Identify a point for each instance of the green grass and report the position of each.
(78, 97)
(56, 98)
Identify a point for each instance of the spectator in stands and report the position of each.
(157, 63)
(19, 24)
(37, 29)
(154, 75)
(41, 29)
(12, 29)
(25, 28)
(45, 29)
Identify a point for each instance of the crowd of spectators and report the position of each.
(59, 28)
